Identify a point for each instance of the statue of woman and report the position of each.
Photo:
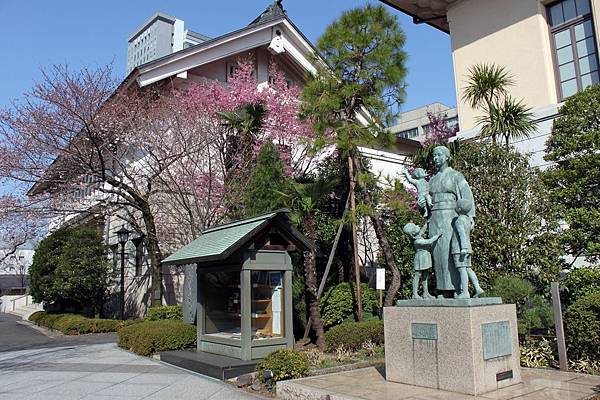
(446, 186)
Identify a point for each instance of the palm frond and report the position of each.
(485, 84)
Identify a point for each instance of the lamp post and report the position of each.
(123, 236)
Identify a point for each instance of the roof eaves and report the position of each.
(413, 15)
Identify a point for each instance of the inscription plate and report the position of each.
(497, 339)
(424, 331)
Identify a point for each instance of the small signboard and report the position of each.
(380, 279)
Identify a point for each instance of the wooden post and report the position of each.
(558, 324)
(354, 237)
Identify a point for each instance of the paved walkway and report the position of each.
(101, 372)
(370, 384)
(16, 335)
(34, 366)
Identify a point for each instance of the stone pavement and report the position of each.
(101, 372)
(370, 384)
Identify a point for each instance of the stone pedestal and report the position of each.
(468, 346)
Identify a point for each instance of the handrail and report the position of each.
(26, 295)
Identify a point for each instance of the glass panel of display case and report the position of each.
(221, 291)
(267, 304)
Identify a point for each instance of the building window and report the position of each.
(574, 45)
(409, 133)
(139, 254)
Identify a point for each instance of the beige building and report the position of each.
(549, 46)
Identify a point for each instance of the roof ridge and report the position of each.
(265, 216)
(273, 11)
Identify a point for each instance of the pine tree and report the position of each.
(355, 95)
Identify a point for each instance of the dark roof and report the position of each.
(220, 242)
(273, 12)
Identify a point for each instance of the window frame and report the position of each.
(570, 26)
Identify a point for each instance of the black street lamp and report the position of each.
(123, 236)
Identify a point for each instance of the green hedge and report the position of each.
(73, 324)
(353, 335)
(582, 328)
(285, 364)
(165, 312)
(149, 337)
(338, 304)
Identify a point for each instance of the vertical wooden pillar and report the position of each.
(558, 324)
(246, 314)
(288, 307)
(199, 308)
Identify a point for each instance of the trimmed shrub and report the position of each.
(165, 312)
(339, 303)
(73, 324)
(70, 270)
(149, 337)
(285, 364)
(353, 335)
(582, 328)
(534, 313)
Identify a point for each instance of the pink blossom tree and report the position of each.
(155, 157)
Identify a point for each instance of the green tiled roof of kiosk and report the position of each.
(220, 242)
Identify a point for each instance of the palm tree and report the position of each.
(304, 199)
(504, 117)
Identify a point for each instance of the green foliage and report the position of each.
(487, 90)
(534, 313)
(537, 353)
(582, 327)
(149, 337)
(363, 49)
(574, 149)
(70, 269)
(73, 324)
(400, 243)
(267, 181)
(353, 335)
(338, 304)
(515, 222)
(298, 301)
(165, 312)
(579, 283)
(285, 364)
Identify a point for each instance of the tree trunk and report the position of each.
(310, 283)
(384, 245)
(351, 161)
(155, 255)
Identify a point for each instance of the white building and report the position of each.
(414, 124)
(159, 36)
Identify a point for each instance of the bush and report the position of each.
(149, 337)
(165, 312)
(537, 354)
(579, 283)
(353, 335)
(73, 324)
(534, 313)
(339, 303)
(582, 328)
(70, 270)
(285, 364)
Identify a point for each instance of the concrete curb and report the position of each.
(51, 333)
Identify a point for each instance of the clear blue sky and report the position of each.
(39, 33)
